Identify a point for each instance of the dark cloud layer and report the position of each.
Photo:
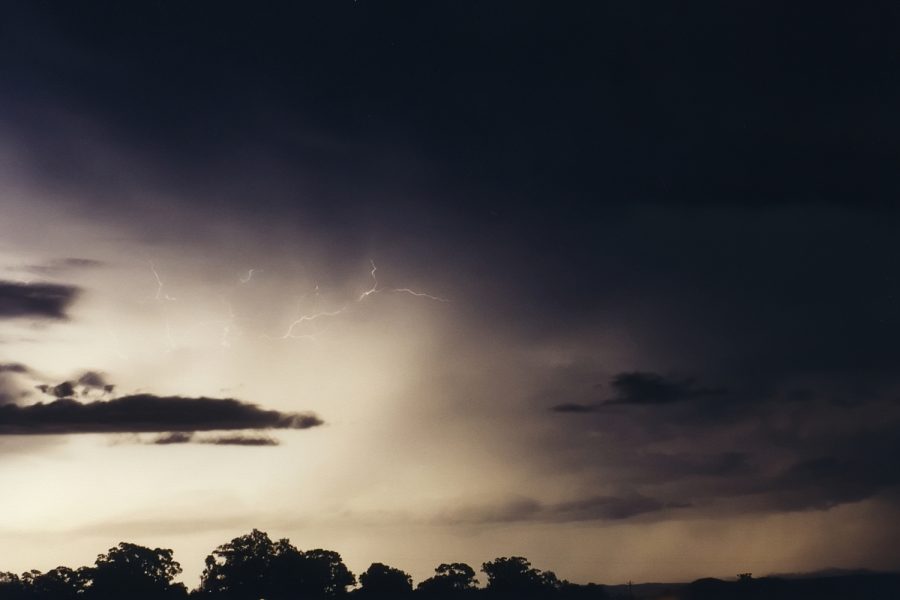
(742, 450)
(574, 407)
(35, 300)
(145, 413)
(176, 437)
(241, 440)
(652, 388)
(643, 388)
(595, 508)
(181, 437)
(545, 95)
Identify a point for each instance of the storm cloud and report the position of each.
(181, 437)
(746, 449)
(35, 300)
(593, 508)
(145, 413)
(574, 407)
(652, 388)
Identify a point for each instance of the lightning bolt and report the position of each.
(374, 289)
(290, 334)
(246, 279)
(419, 294)
(160, 287)
(298, 328)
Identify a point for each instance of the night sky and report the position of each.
(610, 285)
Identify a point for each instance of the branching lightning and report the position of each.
(160, 287)
(297, 328)
(291, 334)
(419, 294)
(374, 289)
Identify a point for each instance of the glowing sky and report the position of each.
(556, 284)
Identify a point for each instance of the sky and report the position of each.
(612, 286)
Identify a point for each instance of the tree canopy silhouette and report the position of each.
(382, 581)
(136, 572)
(449, 580)
(252, 566)
(240, 568)
(61, 583)
(126, 571)
(516, 576)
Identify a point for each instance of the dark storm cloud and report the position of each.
(66, 389)
(846, 469)
(181, 437)
(619, 165)
(85, 384)
(14, 368)
(545, 96)
(241, 440)
(751, 449)
(574, 407)
(643, 388)
(652, 388)
(607, 508)
(595, 508)
(145, 413)
(35, 300)
(659, 467)
(176, 437)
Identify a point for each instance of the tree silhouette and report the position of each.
(239, 569)
(323, 574)
(61, 583)
(11, 586)
(515, 576)
(133, 571)
(449, 579)
(253, 566)
(380, 580)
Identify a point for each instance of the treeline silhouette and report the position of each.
(253, 567)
